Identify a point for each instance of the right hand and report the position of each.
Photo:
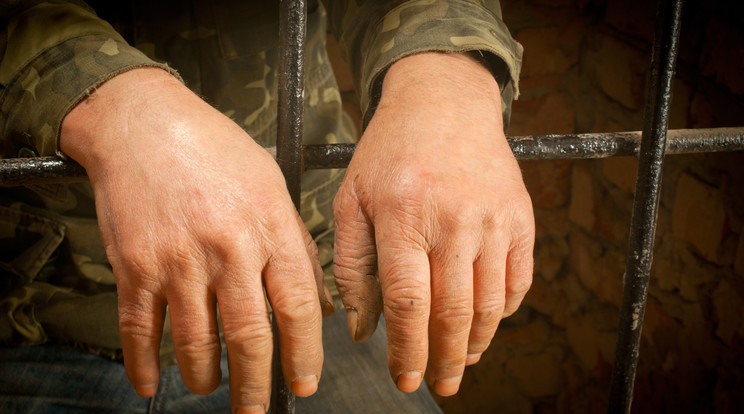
(195, 215)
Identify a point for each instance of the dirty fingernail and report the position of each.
(409, 381)
(329, 297)
(448, 386)
(352, 320)
(327, 303)
(305, 386)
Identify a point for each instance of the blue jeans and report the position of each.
(60, 379)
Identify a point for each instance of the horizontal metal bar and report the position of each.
(48, 170)
(616, 144)
(39, 170)
(569, 146)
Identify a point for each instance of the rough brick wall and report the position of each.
(585, 70)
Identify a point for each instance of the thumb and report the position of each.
(355, 266)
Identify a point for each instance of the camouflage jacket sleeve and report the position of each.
(373, 34)
(54, 53)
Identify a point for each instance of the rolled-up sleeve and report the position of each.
(54, 54)
(374, 34)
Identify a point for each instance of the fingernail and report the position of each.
(473, 358)
(353, 322)
(327, 303)
(253, 409)
(448, 386)
(409, 381)
(305, 386)
(146, 390)
(328, 296)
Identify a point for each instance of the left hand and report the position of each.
(433, 221)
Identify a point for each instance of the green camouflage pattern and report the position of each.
(55, 279)
(374, 34)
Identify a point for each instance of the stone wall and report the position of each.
(585, 70)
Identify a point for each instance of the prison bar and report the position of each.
(568, 146)
(646, 204)
(290, 108)
(46, 170)
(649, 145)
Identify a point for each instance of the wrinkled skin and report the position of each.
(194, 215)
(434, 226)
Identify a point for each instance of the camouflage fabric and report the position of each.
(56, 282)
(391, 29)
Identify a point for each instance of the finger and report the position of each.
(141, 318)
(248, 336)
(519, 264)
(195, 333)
(355, 268)
(404, 278)
(292, 291)
(488, 294)
(324, 295)
(451, 313)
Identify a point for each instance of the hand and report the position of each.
(433, 222)
(195, 215)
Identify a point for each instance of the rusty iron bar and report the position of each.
(649, 145)
(48, 170)
(569, 146)
(646, 205)
(291, 77)
(40, 170)
(291, 84)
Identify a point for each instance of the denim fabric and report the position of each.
(59, 379)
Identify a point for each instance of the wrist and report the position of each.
(99, 122)
(436, 76)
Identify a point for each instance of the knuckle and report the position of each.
(248, 337)
(463, 210)
(272, 226)
(297, 311)
(406, 211)
(452, 320)
(488, 314)
(197, 347)
(137, 323)
(407, 302)
(135, 260)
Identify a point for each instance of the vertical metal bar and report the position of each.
(645, 208)
(291, 76)
(291, 84)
